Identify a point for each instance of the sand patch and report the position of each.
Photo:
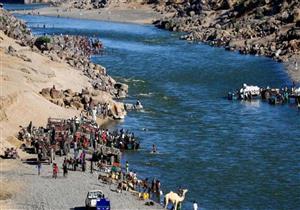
(14, 141)
(4, 78)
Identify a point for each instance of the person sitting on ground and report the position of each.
(7, 153)
(119, 188)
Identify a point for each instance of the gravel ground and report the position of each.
(44, 192)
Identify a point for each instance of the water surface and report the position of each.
(230, 155)
(10, 7)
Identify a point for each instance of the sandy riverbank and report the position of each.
(117, 12)
(23, 75)
(27, 190)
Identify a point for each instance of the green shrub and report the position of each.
(41, 40)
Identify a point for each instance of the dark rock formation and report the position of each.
(269, 28)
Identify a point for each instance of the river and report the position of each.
(228, 154)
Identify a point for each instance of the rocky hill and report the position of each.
(262, 27)
(74, 50)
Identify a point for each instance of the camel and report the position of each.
(175, 198)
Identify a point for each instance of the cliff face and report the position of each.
(260, 27)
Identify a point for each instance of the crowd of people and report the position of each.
(85, 135)
(77, 132)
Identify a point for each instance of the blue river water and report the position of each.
(10, 7)
(228, 154)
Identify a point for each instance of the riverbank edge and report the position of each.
(289, 66)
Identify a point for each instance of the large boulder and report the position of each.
(45, 92)
(56, 94)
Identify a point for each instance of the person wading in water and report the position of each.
(127, 167)
(154, 148)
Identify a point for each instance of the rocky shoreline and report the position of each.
(264, 28)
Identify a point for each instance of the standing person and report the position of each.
(83, 165)
(195, 205)
(127, 167)
(65, 168)
(39, 167)
(94, 114)
(55, 170)
(91, 165)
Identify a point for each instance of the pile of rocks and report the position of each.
(70, 99)
(15, 28)
(89, 4)
(265, 27)
(87, 99)
(76, 51)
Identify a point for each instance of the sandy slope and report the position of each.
(21, 82)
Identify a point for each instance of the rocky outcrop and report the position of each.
(269, 28)
(15, 28)
(87, 99)
(68, 98)
(83, 4)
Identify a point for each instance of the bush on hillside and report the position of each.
(42, 40)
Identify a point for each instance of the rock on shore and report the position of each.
(269, 28)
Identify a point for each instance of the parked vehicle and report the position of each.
(92, 197)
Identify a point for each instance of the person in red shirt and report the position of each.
(55, 170)
(104, 136)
